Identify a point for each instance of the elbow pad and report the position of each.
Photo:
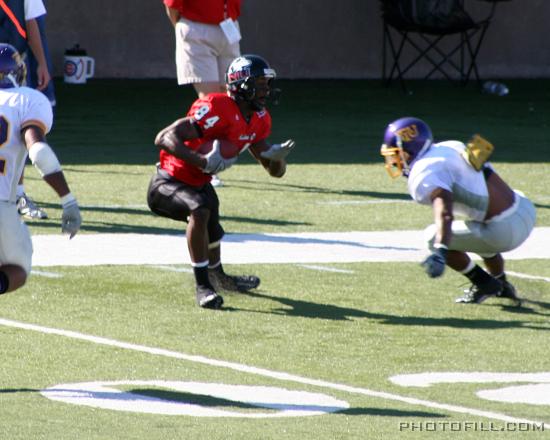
(44, 159)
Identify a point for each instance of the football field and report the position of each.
(345, 338)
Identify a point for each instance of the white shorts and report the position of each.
(203, 53)
(502, 233)
(15, 240)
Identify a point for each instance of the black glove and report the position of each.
(434, 265)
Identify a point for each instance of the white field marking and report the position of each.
(533, 394)
(299, 248)
(282, 402)
(361, 202)
(268, 373)
(41, 273)
(136, 207)
(325, 268)
(431, 378)
(528, 277)
(173, 269)
(536, 393)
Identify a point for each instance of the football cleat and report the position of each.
(207, 298)
(27, 208)
(216, 181)
(479, 293)
(232, 283)
(509, 291)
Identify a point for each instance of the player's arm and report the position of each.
(35, 43)
(442, 206)
(275, 166)
(47, 164)
(171, 139)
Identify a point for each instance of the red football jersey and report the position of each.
(206, 11)
(219, 117)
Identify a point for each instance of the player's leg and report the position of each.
(15, 249)
(204, 88)
(173, 199)
(495, 265)
(12, 277)
(219, 279)
(467, 237)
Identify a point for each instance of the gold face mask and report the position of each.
(395, 160)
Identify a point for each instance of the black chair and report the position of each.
(441, 33)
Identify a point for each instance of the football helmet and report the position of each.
(242, 77)
(12, 67)
(404, 140)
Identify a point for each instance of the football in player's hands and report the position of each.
(228, 150)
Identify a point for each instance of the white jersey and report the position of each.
(443, 166)
(20, 107)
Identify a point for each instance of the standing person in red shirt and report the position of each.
(181, 188)
(207, 40)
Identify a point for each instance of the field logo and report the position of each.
(195, 399)
(535, 392)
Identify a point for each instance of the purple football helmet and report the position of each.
(404, 140)
(12, 68)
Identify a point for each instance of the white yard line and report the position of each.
(268, 373)
(528, 277)
(173, 269)
(42, 273)
(299, 248)
(325, 268)
(362, 202)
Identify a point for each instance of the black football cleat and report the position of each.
(232, 283)
(208, 298)
(479, 293)
(509, 291)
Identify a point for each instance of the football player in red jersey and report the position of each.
(181, 188)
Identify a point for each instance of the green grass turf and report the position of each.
(356, 329)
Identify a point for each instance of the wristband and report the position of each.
(441, 246)
(67, 198)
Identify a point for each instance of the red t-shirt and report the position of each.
(206, 11)
(219, 117)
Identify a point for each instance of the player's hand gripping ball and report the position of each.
(220, 155)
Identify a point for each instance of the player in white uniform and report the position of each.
(496, 219)
(25, 118)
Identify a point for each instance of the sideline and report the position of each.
(300, 248)
(268, 373)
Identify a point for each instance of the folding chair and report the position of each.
(442, 35)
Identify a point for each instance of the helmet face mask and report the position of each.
(249, 78)
(404, 140)
(12, 67)
(395, 161)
